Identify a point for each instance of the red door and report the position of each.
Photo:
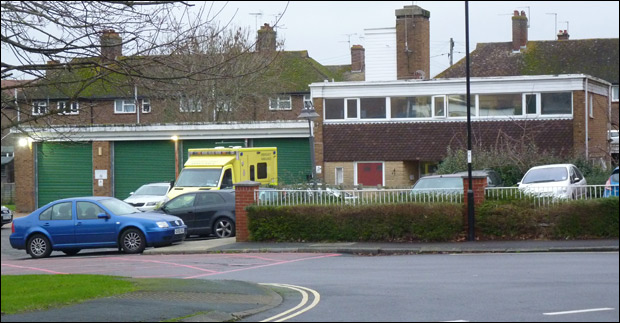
(370, 174)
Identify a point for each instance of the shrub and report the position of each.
(387, 222)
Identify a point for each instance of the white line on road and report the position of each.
(304, 301)
(581, 311)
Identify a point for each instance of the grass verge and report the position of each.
(22, 293)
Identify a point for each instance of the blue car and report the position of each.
(611, 187)
(72, 224)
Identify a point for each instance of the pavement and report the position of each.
(223, 301)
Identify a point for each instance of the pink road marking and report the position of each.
(166, 263)
(35, 269)
(261, 266)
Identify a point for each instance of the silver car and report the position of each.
(149, 196)
(7, 215)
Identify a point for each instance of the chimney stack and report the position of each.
(266, 39)
(563, 35)
(412, 43)
(519, 31)
(358, 58)
(111, 44)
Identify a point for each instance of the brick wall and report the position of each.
(24, 178)
(412, 42)
(102, 161)
(244, 196)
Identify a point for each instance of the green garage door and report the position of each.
(64, 170)
(141, 162)
(293, 158)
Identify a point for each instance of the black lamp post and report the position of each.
(309, 113)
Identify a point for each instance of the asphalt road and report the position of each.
(535, 287)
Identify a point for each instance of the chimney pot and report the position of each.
(266, 39)
(111, 44)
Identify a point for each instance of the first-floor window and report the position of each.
(65, 107)
(190, 105)
(556, 103)
(39, 108)
(146, 105)
(124, 106)
(282, 102)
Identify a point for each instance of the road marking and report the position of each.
(304, 301)
(35, 269)
(581, 311)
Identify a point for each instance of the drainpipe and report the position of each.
(587, 115)
(17, 106)
(135, 93)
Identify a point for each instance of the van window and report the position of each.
(252, 172)
(262, 170)
(227, 181)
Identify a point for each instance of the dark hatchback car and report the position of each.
(205, 212)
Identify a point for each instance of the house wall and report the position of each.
(25, 172)
(396, 173)
(595, 125)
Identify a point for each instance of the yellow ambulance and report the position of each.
(221, 168)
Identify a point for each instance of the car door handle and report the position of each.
(46, 225)
(78, 223)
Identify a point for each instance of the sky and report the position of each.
(326, 29)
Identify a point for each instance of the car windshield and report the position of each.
(118, 207)
(544, 175)
(439, 182)
(199, 177)
(152, 190)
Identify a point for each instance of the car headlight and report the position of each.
(163, 224)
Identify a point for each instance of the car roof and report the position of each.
(553, 165)
(442, 176)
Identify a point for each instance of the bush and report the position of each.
(391, 222)
(520, 219)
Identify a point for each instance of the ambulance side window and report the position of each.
(227, 181)
(252, 172)
(262, 170)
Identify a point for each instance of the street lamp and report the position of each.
(175, 138)
(308, 113)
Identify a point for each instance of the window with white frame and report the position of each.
(339, 176)
(124, 106)
(68, 108)
(372, 108)
(281, 102)
(614, 93)
(411, 107)
(492, 105)
(146, 106)
(190, 104)
(439, 106)
(556, 103)
(307, 100)
(334, 109)
(352, 107)
(39, 108)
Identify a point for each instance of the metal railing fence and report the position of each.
(538, 196)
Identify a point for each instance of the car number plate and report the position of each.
(6, 216)
(179, 231)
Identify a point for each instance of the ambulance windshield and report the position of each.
(193, 177)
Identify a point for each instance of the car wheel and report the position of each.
(133, 241)
(224, 228)
(71, 252)
(39, 246)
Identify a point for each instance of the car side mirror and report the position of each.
(103, 216)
